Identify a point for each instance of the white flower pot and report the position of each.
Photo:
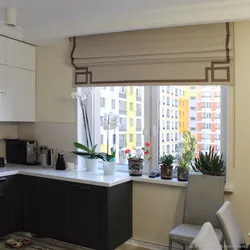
(109, 168)
(91, 164)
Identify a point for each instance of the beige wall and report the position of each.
(55, 109)
(7, 130)
(155, 206)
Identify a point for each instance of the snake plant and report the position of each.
(209, 163)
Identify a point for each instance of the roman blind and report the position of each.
(199, 54)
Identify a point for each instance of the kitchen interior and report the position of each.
(45, 189)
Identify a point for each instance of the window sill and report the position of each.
(174, 182)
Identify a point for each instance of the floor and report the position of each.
(49, 244)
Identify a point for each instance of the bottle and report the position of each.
(60, 163)
(50, 156)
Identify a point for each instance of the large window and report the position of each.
(160, 115)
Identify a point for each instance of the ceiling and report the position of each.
(47, 20)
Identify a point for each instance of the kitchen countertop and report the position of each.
(82, 176)
(79, 176)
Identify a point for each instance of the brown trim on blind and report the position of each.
(213, 68)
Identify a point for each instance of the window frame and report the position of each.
(152, 120)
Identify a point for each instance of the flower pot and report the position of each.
(91, 164)
(166, 172)
(182, 174)
(109, 168)
(135, 167)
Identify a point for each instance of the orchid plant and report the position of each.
(138, 154)
(111, 123)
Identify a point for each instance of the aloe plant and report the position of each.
(166, 160)
(209, 163)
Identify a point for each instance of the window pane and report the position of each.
(197, 109)
(128, 103)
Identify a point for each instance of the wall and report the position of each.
(55, 109)
(7, 130)
(156, 208)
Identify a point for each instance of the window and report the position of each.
(131, 90)
(131, 137)
(206, 104)
(206, 125)
(131, 122)
(102, 102)
(198, 115)
(131, 106)
(113, 104)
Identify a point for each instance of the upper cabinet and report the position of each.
(3, 50)
(17, 81)
(20, 55)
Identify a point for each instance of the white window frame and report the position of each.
(152, 121)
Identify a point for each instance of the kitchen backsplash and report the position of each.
(7, 130)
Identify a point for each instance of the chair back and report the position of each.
(230, 227)
(205, 196)
(206, 239)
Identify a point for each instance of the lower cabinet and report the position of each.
(44, 207)
(82, 215)
(10, 204)
(91, 216)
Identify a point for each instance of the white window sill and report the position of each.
(174, 182)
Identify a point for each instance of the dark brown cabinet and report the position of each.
(87, 215)
(10, 204)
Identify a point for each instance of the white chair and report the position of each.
(230, 227)
(206, 239)
(205, 195)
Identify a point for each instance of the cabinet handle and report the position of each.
(86, 188)
(2, 179)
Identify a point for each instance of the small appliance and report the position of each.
(21, 152)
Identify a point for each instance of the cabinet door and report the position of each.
(10, 205)
(2, 107)
(20, 95)
(82, 215)
(44, 207)
(2, 78)
(20, 55)
(2, 50)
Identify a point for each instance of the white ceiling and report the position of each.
(45, 20)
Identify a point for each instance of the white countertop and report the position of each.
(79, 176)
(82, 176)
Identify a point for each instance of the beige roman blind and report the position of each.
(199, 54)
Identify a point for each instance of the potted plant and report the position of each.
(166, 163)
(136, 159)
(91, 156)
(109, 164)
(110, 123)
(209, 163)
(186, 153)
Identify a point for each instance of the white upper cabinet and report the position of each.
(20, 95)
(2, 107)
(2, 50)
(2, 79)
(20, 55)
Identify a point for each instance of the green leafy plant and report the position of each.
(166, 160)
(186, 150)
(92, 154)
(209, 163)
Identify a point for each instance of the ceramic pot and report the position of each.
(182, 174)
(166, 172)
(91, 164)
(135, 167)
(109, 168)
